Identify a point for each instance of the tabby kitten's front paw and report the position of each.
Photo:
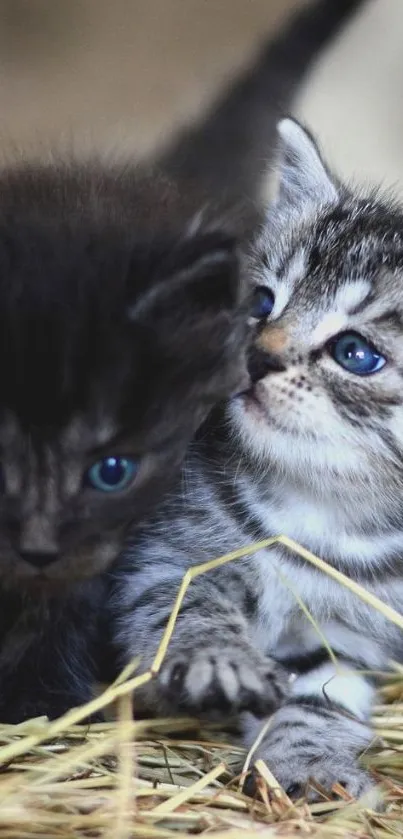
(222, 679)
(307, 747)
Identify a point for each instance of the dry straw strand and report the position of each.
(101, 798)
(119, 688)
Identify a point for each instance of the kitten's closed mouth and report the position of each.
(252, 403)
(42, 584)
(244, 387)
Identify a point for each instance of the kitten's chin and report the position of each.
(267, 436)
(255, 412)
(299, 453)
(251, 406)
(45, 585)
(251, 410)
(253, 425)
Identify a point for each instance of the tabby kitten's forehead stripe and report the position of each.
(314, 450)
(354, 297)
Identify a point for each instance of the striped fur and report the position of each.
(312, 451)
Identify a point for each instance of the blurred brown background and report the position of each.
(125, 73)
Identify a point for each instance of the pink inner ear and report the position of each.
(303, 175)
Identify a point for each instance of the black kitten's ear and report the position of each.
(302, 174)
(199, 276)
(192, 322)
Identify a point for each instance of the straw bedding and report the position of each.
(161, 779)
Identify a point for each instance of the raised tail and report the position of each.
(227, 152)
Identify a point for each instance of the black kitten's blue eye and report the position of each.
(262, 303)
(111, 474)
(356, 354)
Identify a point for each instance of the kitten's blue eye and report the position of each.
(262, 303)
(356, 354)
(111, 474)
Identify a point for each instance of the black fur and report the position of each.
(227, 154)
(119, 329)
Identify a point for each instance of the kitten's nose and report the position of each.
(261, 363)
(40, 559)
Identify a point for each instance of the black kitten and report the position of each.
(121, 324)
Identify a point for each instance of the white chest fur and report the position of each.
(285, 584)
(326, 528)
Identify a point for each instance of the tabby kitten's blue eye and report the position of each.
(262, 303)
(111, 474)
(356, 354)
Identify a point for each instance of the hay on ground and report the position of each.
(160, 779)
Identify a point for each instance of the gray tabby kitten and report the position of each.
(313, 450)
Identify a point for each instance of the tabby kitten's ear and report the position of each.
(302, 175)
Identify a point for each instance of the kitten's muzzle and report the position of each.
(39, 559)
(261, 363)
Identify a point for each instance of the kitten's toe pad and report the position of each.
(222, 679)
